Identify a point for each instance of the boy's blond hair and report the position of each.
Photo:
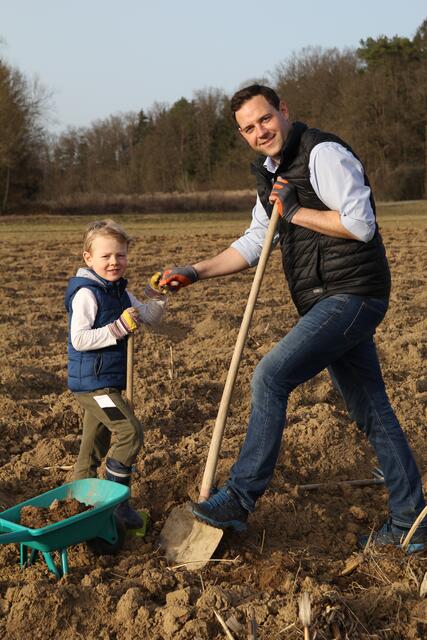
(106, 227)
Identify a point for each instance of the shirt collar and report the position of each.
(270, 164)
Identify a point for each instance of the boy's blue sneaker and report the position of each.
(391, 534)
(222, 510)
(116, 471)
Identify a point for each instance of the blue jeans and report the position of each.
(337, 334)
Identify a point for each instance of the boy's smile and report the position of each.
(107, 257)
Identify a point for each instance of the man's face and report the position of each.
(107, 257)
(263, 127)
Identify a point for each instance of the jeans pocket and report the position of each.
(365, 321)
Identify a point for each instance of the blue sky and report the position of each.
(100, 57)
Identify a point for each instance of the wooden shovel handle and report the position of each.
(221, 419)
(129, 371)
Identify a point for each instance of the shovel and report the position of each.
(141, 532)
(187, 540)
(129, 371)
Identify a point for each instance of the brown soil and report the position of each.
(296, 541)
(38, 517)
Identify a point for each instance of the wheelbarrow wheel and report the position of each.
(100, 547)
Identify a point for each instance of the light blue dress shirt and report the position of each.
(337, 178)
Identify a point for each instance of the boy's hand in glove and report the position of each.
(178, 277)
(285, 195)
(128, 322)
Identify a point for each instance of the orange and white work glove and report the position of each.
(126, 323)
(178, 277)
(285, 195)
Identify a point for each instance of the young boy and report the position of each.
(102, 314)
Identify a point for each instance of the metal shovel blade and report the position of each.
(188, 541)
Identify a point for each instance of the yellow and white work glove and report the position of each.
(126, 323)
(153, 289)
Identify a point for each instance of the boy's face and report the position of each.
(107, 257)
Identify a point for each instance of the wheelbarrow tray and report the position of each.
(98, 522)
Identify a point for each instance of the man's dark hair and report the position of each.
(243, 95)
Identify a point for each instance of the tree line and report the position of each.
(375, 97)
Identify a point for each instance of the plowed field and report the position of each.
(297, 540)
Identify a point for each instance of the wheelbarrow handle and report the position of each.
(15, 536)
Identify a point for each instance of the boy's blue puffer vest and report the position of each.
(91, 370)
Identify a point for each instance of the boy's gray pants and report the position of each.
(106, 412)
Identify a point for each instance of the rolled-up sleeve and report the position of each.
(249, 245)
(337, 177)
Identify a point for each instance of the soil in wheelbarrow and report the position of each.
(296, 540)
(38, 517)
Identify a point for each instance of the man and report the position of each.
(337, 271)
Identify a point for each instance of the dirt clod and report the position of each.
(296, 541)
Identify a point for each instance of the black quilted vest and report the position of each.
(317, 266)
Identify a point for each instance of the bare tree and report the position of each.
(23, 105)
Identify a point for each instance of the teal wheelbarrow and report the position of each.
(98, 527)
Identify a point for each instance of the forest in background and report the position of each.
(374, 97)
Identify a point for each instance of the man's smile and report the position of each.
(267, 140)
